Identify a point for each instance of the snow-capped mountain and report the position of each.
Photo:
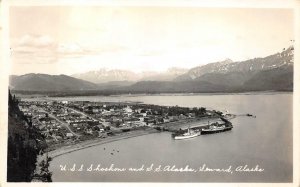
(168, 75)
(285, 58)
(105, 76)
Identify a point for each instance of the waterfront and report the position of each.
(265, 141)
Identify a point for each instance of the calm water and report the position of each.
(265, 141)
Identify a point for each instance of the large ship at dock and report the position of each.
(189, 134)
(216, 128)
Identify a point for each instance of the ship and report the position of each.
(189, 134)
(215, 128)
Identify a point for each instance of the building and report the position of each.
(69, 135)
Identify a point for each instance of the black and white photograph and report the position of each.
(135, 93)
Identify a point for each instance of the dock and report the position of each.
(227, 123)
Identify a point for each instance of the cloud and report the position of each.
(44, 49)
(36, 41)
(37, 49)
(33, 49)
(69, 48)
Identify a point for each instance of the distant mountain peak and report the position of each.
(226, 61)
(282, 59)
(177, 70)
(105, 75)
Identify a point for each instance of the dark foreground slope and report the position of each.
(24, 145)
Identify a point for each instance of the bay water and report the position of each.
(264, 142)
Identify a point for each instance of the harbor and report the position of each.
(152, 142)
(196, 126)
(201, 129)
(146, 145)
(216, 150)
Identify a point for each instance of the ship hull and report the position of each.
(186, 137)
(215, 131)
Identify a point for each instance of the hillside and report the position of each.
(44, 82)
(244, 68)
(274, 72)
(273, 79)
(24, 146)
(171, 86)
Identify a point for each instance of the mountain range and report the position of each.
(241, 75)
(274, 72)
(103, 76)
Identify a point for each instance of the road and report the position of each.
(64, 124)
(61, 122)
(86, 115)
(82, 113)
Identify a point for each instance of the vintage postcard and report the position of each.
(131, 92)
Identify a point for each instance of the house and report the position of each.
(95, 110)
(40, 127)
(181, 116)
(105, 124)
(127, 109)
(138, 123)
(64, 102)
(102, 135)
(191, 115)
(173, 118)
(89, 131)
(69, 135)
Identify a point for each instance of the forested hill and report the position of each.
(24, 145)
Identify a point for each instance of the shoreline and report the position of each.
(265, 92)
(95, 142)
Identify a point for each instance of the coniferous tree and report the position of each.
(22, 147)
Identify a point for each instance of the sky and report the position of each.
(77, 39)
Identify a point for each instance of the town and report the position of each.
(68, 122)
